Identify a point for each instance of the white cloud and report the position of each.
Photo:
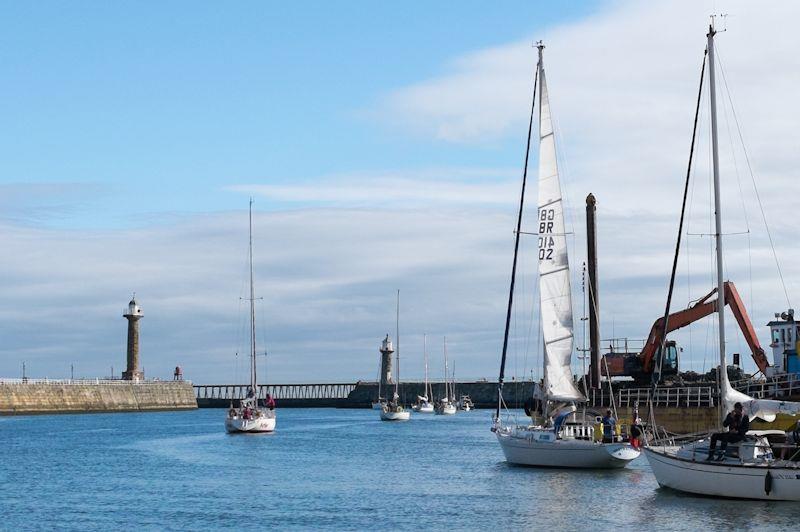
(623, 85)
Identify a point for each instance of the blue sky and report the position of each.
(383, 144)
(161, 108)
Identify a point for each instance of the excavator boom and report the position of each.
(697, 311)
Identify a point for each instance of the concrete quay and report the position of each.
(70, 397)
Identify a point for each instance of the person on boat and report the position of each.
(250, 393)
(609, 424)
(790, 450)
(559, 421)
(232, 412)
(270, 402)
(636, 430)
(737, 424)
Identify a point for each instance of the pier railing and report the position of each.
(81, 382)
(277, 391)
(676, 397)
(770, 387)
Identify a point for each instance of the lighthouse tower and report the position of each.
(386, 362)
(133, 314)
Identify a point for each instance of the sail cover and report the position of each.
(555, 294)
(766, 409)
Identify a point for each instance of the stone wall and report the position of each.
(55, 398)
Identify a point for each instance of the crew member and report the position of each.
(609, 424)
(737, 423)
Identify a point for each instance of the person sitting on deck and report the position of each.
(609, 424)
(270, 402)
(738, 424)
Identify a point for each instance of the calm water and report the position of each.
(324, 468)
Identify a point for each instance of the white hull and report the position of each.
(724, 479)
(521, 450)
(426, 408)
(405, 415)
(265, 423)
(447, 410)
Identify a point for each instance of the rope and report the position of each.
(657, 374)
(516, 246)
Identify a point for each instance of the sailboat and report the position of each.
(561, 440)
(446, 406)
(749, 470)
(393, 410)
(423, 405)
(249, 417)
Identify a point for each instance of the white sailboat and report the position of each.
(749, 470)
(560, 440)
(446, 406)
(250, 417)
(393, 410)
(423, 405)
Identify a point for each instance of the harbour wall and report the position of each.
(361, 394)
(63, 397)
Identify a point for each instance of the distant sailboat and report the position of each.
(561, 440)
(446, 406)
(393, 410)
(249, 416)
(424, 406)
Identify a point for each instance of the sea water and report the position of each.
(323, 469)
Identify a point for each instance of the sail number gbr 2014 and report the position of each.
(546, 240)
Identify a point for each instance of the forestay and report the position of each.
(554, 283)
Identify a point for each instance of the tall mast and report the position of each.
(252, 312)
(397, 353)
(446, 386)
(425, 356)
(723, 366)
(501, 378)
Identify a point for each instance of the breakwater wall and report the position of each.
(360, 394)
(68, 397)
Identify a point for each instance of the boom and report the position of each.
(699, 310)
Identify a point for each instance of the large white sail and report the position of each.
(555, 294)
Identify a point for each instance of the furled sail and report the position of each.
(766, 409)
(555, 294)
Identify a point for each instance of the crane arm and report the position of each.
(697, 311)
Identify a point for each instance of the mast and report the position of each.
(446, 385)
(425, 356)
(516, 251)
(397, 353)
(252, 312)
(722, 380)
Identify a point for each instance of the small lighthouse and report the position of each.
(386, 361)
(133, 314)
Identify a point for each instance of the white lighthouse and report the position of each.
(133, 314)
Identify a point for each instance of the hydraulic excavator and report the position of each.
(641, 365)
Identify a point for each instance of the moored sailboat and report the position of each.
(393, 410)
(749, 469)
(423, 405)
(446, 405)
(562, 439)
(250, 417)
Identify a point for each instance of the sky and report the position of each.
(383, 146)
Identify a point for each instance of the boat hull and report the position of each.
(731, 480)
(584, 454)
(237, 425)
(448, 410)
(405, 415)
(423, 409)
